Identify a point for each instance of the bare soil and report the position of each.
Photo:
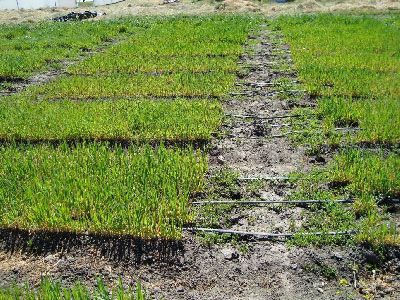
(201, 7)
(192, 269)
(187, 270)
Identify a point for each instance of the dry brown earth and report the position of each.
(193, 7)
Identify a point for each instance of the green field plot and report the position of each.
(162, 47)
(186, 84)
(369, 177)
(214, 29)
(377, 174)
(182, 44)
(124, 120)
(352, 67)
(379, 119)
(25, 49)
(351, 56)
(85, 152)
(95, 188)
(109, 63)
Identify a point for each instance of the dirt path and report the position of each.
(251, 269)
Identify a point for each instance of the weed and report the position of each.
(321, 268)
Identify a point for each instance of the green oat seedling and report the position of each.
(119, 120)
(96, 188)
(52, 290)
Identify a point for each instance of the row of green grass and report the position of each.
(147, 46)
(122, 120)
(97, 188)
(109, 63)
(378, 119)
(214, 29)
(53, 290)
(180, 84)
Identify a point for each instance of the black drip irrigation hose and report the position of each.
(285, 134)
(259, 84)
(258, 178)
(288, 116)
(281, 125)
(264, 137)
(264, 64)
(264, 178)
(266, 234)
(292, 91)
(282, 91)
(348, 128)
(273, 202)
(288, 133)
(268, 117)
(239, 94)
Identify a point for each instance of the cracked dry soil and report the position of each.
(266, 269)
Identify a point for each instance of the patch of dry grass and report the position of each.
(202, 7)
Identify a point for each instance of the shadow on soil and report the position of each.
(125, 144)
(114, 248)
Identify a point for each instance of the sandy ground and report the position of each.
(198, 7)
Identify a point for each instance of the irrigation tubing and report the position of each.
(265, 234)
(281, 125)
(272, 202)
(348, 128)
(258, 178)
(292, 91)
(269, 117)
(286, 116)
(287, 133)
(259, 84)
(264, 178)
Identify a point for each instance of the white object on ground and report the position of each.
(36, 4)
(105, 2)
